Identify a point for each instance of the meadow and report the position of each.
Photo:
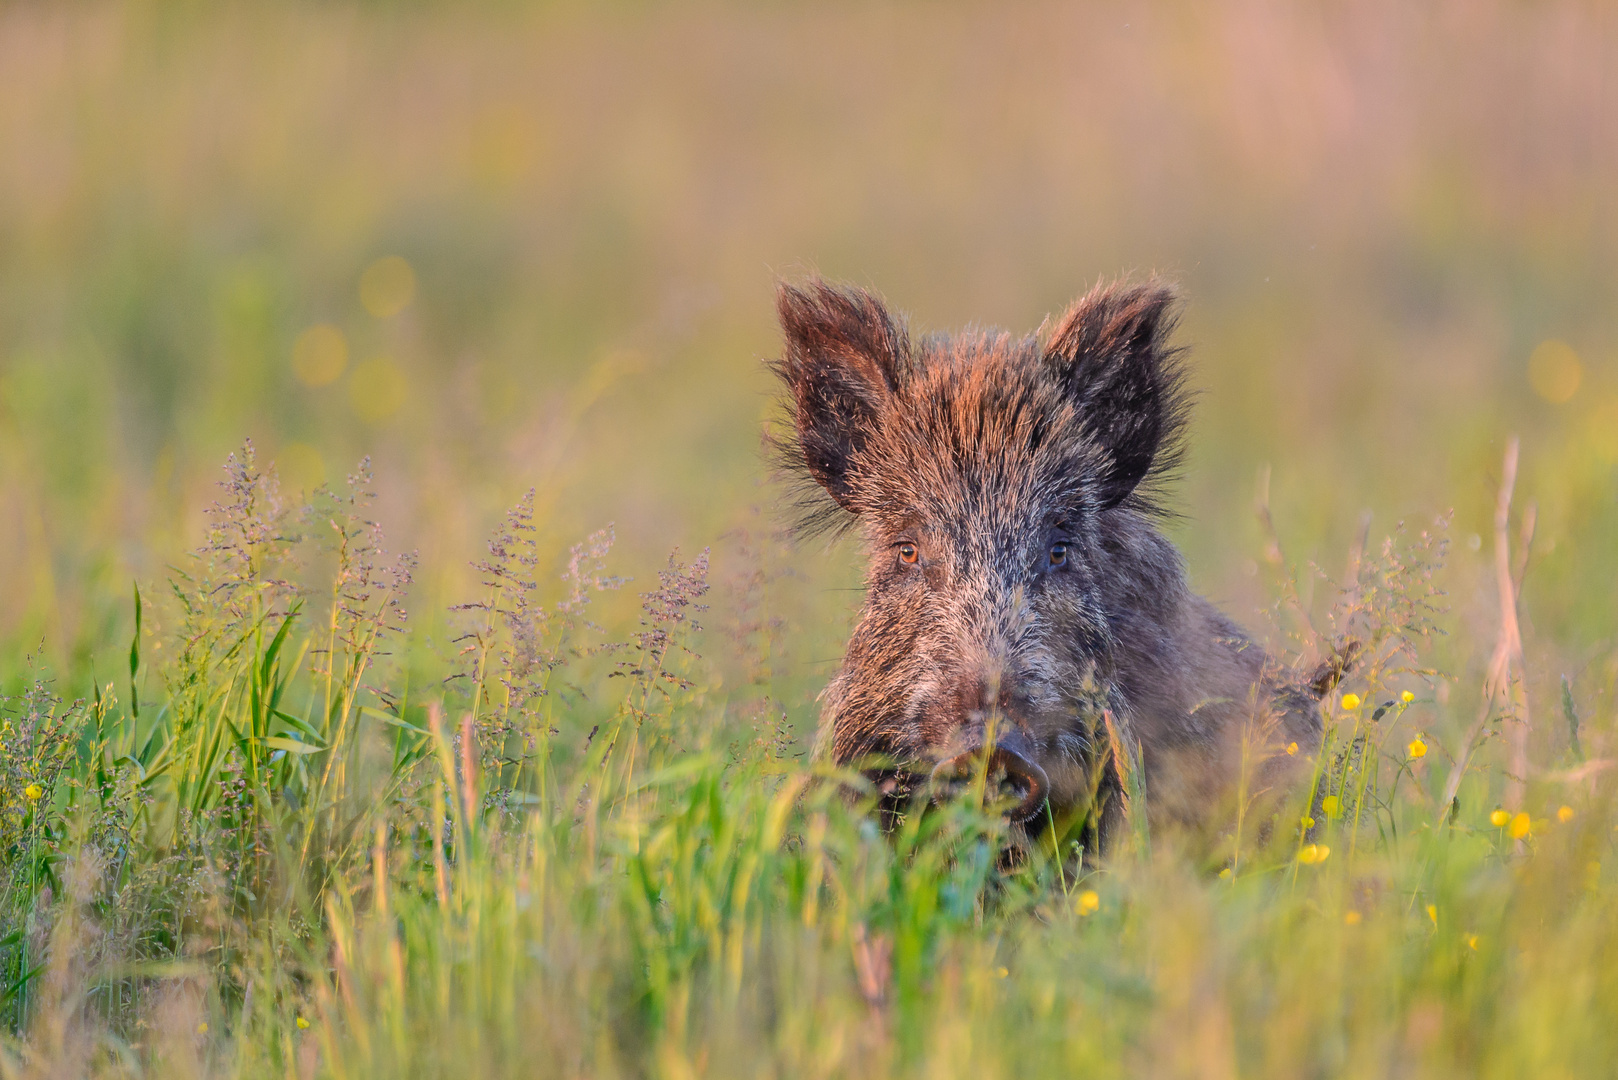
(406, 668)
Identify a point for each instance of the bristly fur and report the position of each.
(1008, 493)
(845, 353)
(827, 327)
(1105, 332)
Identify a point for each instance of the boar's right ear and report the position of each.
(841, 365)
(1110, 353)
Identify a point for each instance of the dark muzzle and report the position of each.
(1009, 771)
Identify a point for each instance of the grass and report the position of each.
(310, 854)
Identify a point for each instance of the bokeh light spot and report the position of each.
(387, 286)
(1554, 371)
(376, 390)
(300, 467)
(319, 355)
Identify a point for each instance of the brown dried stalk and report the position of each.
(1498, 683)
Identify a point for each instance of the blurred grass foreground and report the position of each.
(460, 726)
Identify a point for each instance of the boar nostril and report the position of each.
(1006, 768)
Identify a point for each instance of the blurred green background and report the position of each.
(497, 247)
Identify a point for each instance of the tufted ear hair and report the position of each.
(1110, 354)
(841, 364)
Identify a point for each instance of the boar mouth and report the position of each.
(1010, 773)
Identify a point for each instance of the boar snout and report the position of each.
(1010, 772)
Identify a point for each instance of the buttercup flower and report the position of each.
(1313, 853)
(302, 1023)
(1520, 827)
(1351, 702)
(1089, 902)
(1499, 818)
(33, 791)
(1407, 697)
(1417, 747)
(1564, 814)
(1292, 748)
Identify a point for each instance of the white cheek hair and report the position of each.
(919, 692)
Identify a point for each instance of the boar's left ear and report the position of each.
(841, 366)
(1111, 355)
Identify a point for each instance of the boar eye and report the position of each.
(908, 553)
(1058, 555)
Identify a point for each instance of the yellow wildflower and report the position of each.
(1307, 822)
(202, 1028)
(1564, 814)
(1003, 972)
(34, 792)
(1407, 697)
(1520, 827)
(1472, 942)
(1330, 805)
(1089, 902)
(1351, 918)
(1292, 748)
(1313, 853)
(1417, 747)
(1351, 702)
(1432, 913)
(1499, 818)
(1225, 875)
(302, 1023)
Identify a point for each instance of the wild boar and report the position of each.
(1020, 598)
